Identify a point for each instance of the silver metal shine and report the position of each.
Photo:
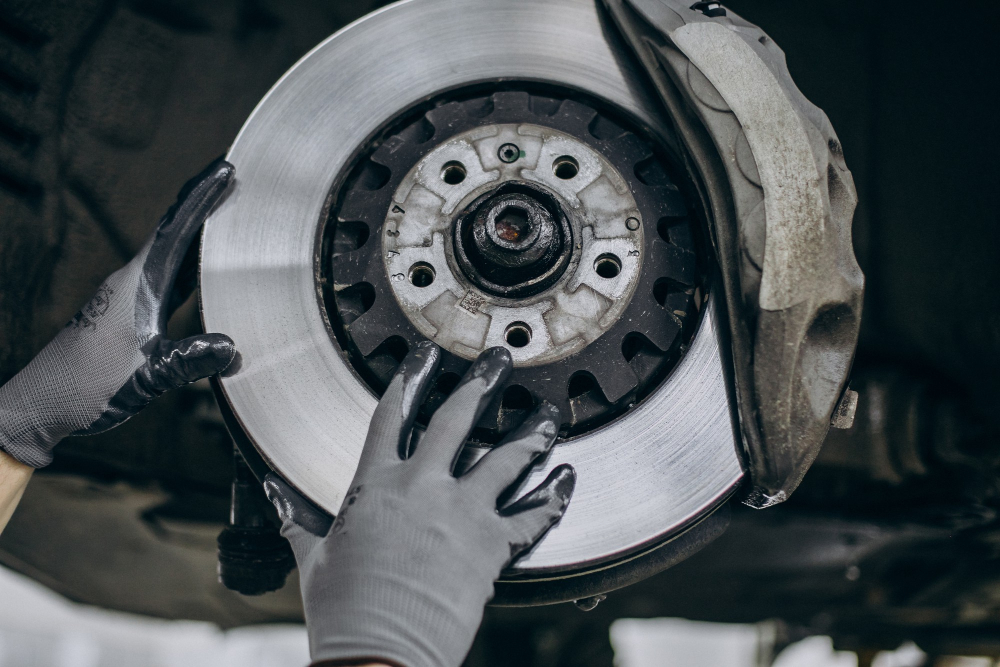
(463, 319)
(642, 478)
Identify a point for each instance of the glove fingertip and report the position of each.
(293, 509)
(280, 495)
(550, 411)
(194, 202)
(498, 355)
(176, 363)
(274, 488)
(224, 351)
(222, 176)
(552, 495)
(216, 176)
(411, 381)
(563, 482)
(207, 354)
(421, 362)
(495, 364)
(545, 421)
(225, 168)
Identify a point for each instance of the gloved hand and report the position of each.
(404, 572)
(113, 357)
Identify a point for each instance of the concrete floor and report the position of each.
(39, 628)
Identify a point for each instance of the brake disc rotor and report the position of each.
(496, 176)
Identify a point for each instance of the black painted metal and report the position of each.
(253, 556)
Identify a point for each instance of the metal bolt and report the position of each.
(589, 604)
(509, 153)
(847, 407)
(710, 9)
(632, 224)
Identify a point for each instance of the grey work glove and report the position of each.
(404, 572)
(113, 357)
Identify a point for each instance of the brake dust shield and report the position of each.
(645, 477)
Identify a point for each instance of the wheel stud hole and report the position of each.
(453, 173)
(518, 334)
(512, 224)
(608, 266)
(421, 274)
(565, 167)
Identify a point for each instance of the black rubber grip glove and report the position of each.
(113, 357)
(404, 572)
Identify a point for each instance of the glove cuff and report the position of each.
(354, 635)
(387, 612)
(356, 662)
(27, 449)
(361, 661)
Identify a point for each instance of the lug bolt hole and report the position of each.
(509, 153)
(518, 334)
(421, 274)
(453, 173)
(565, 167)
(608, 266)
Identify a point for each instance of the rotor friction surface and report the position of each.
(642, 479)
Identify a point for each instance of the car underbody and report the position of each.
(107, 107)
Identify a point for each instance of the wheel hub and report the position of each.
(513, 242)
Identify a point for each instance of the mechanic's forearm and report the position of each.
(14, 476)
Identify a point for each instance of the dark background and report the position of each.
(107, 107)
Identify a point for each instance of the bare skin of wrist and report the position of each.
(14, 476)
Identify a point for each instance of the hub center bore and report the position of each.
(515, 241)
(515, 225)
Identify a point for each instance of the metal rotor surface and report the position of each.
(641, 479)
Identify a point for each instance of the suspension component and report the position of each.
(253, 556)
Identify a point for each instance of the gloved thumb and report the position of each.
(171, 363)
